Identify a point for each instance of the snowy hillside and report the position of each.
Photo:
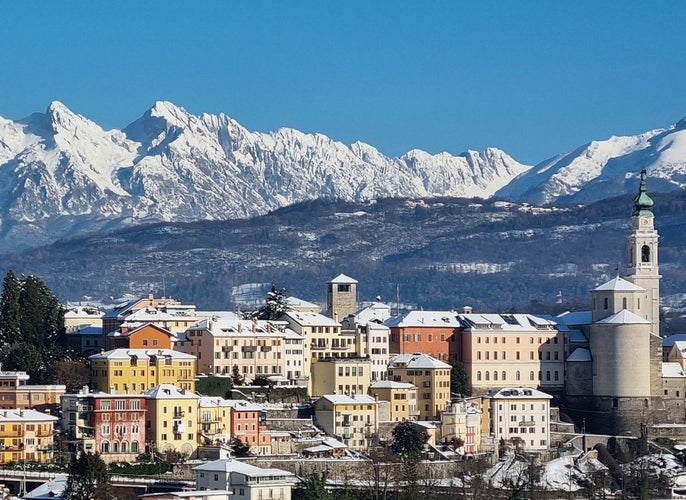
(61, 174)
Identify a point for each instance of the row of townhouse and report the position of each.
(163, 419)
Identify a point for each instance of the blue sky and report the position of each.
(533, 78)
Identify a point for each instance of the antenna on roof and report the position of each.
(397, 299)
(617, 269)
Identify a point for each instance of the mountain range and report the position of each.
(62, 175)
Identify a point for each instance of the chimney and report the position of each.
(254, 325)
(467, 309)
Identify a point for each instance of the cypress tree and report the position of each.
(10, 315)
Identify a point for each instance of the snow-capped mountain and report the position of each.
(601, 169)
(61, 174)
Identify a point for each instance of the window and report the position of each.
(531, 375)
(504, 376)
(606, 303)
(478, 375)
(645, 253)
(517, 376)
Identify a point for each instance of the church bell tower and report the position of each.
(643, 250)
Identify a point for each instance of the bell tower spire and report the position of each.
(643, 251)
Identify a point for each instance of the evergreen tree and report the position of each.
(10, 315)
(31, 327)
(276, 304)
(459, 379)
(89, 479)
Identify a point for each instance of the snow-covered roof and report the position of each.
(135, 327)
(343, 279)
(229, 465)
(26, 415)
(573, 318)
(351, 400)
(619, 285)
(425, 318)
(672, 370)
(518, 392)
(311, 319)
(624, 317)
(50, 490)
(391, 384)
(375, 312)
(85, 330)
(416, 360)
(295, 302)
(669, 341)
(241, 405)
(577, 336)
(124, 353)
(580, 355)
(83, 312)
(168, 391)
(505, 322)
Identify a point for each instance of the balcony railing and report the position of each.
(249, 348)
(527, 423)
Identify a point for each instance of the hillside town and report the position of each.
(262, 404)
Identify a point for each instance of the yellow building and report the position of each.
(352, 419)
(430, 376)
(461, 426)
(26, 435)
(340, 376)
(172, 419)
(214, 420)
(401, 396)
(122, 371)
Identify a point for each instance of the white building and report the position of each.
(244, 481)
(521, 416)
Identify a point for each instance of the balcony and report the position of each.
(266, 348)
(179, 414)
(249, 348)
(227, 348)
(339, 347)
(526, 423)
(318, 347)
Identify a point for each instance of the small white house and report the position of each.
(244, 481)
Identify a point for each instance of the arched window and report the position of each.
(105, 447)
(557, 375)
(488, 376)
(531, 375)
(495, 375)
(123, 447)
(134, 446)
(547, 376)
(606, 303)
(478, 375)
(624, 303)
(504, 376)
(645, 253)
(115, 447)
(517, 376)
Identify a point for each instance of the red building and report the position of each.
(248, 423)
(111, 424)
(147, 336)
(428, 332)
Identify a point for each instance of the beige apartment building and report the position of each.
(323, 338)
(402, 397)
(340, 376)
(461, 422)
(521, 416)
(256, 347)
(172, 419)
(430, 376)
(502, 350)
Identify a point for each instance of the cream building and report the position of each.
(256, 347)
(402, 398)
(322, 337)
(244, 481)
(352, 419)
(500, 350)
(430, 376)
(340, 376)
(521, 416)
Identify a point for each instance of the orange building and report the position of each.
(248, 425)
(147, 336)
(429, 332)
